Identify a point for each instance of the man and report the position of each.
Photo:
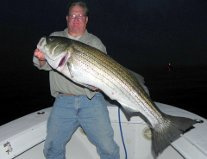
(76, 106)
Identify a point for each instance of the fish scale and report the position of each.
(113, 70)
(103, 73)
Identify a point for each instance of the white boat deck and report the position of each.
(24, 138)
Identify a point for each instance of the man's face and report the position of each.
(76, 20)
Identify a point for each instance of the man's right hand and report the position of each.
(39, 55)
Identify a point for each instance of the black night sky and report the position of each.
(143, 35)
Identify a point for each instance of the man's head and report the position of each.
(77, 18)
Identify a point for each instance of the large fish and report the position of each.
(88, 66)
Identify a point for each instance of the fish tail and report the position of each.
(170, 130)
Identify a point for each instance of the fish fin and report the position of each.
(129, 112)
(169, 131)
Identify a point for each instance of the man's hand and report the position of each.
(39, 55)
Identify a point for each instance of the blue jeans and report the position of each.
(70, 112)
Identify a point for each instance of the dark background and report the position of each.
(143, 35)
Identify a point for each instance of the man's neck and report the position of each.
(75, 35)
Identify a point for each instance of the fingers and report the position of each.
(39, 54)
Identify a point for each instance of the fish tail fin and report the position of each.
(169, 131)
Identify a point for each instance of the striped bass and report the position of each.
(88, 66)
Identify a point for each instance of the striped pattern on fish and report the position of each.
(88, 66)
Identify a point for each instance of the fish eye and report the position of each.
(50, 38)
